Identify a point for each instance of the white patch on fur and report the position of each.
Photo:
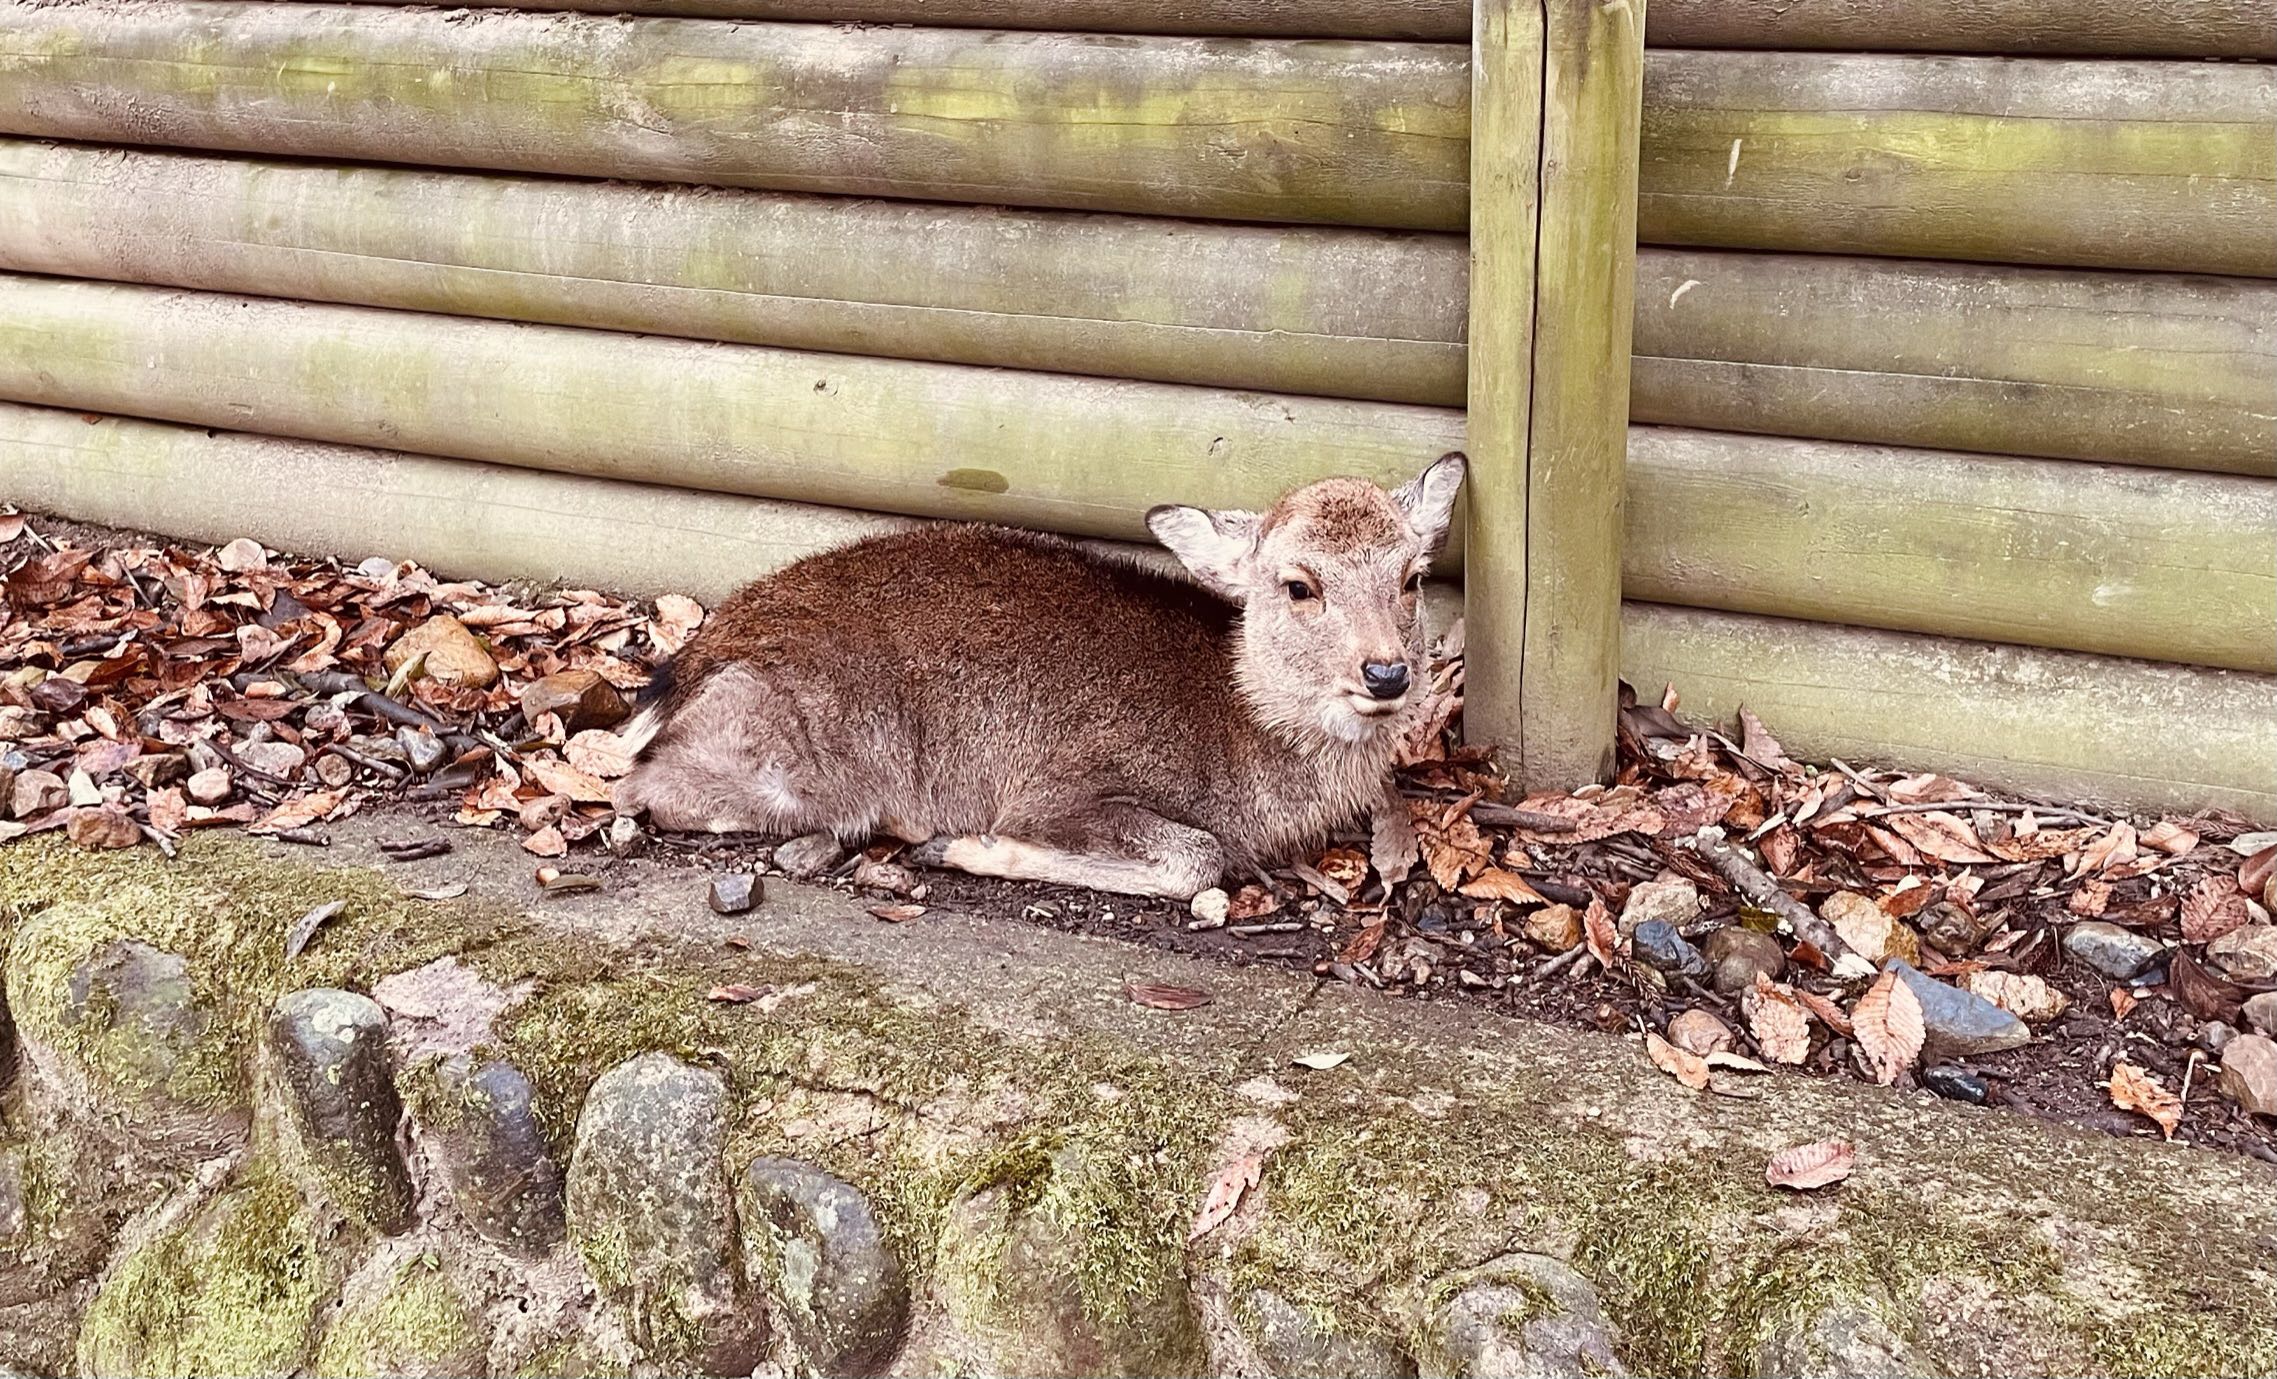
(774, 789)
(637, 734)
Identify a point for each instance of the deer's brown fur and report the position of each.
(1024, 707)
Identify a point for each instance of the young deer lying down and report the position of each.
(1023, 707)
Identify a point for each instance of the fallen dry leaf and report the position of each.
(1686, 1067)
(677, 618)
(1598, 931)
(546, 842)
(1809, 1166)
(1497, 884)
(1944, 836)
(1452, 851)
(2122, 1001)
(1347, 867)
(451, 891)
(1780, 1024)
(735, 994)
(897, 914)
(2170, 837)
(1320, 1062)
(2133, 1089)
(2026, 997)
(1251, 902)
(300, 812)
(1829, 1014)
(1888, 1028)
(1364, 944)
(2213, 908)
(560, 778)
(2108, 853)
(1163, 996)
(304, 929)
(599, 753)
(1757, 744)
(1225, 1194)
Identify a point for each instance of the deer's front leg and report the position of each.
(1121, 848)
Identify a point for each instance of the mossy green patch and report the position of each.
(419, 1323)
(232, 1290)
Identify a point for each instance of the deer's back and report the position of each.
(982, 652)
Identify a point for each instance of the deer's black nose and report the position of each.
(1385, 679)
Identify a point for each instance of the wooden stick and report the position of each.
(1751, 881)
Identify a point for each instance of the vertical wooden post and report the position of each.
(1556, 87)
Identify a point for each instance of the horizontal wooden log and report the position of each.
(460, 519)
(2144, 368)
(2146, 28)
(2089, 557)
(2047, 724)
(2161, 165)
(1256, 129)
(1445, 21)
(1335, 312)
(1080, 455)
(2160, 369)
(2152, 28)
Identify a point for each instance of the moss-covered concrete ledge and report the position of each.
(953, 1146)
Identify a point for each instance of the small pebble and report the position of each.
(1660, 947)
(734, 892)
(2115, 952)
(1956, 1084)
(2261, 1013)
(421, 748)
(1209, 908)
(1738, 954)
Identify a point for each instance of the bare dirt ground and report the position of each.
(148, 690)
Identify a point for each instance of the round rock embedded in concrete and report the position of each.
(330, 1054)
(812, 1242)
(649, 1211)
(481, 1132)
(1522, 1316)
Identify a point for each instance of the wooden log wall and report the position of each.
(1941, 354)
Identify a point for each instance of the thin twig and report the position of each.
(1531, 820)
(1860, 781)
(1758, 886)
(241, 763)
(1561, 962)
(2046, 814)
(355, 758)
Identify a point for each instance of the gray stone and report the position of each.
(422, 748)
(1295, 1346)
(812, 1243)
(1738, 954)
(807, 857)
(1522, 1316)
(482, 1134)
(1842, 1342)
(1674, 901)
(2261, 1013)
(734, 892)
(650, 1211)
(2115, 952)
(2246, 955)
(1956, 1023)
(1007, 1273)
(2249, 1073)
(132, 1015)
(1657, 945)
(330, 1054)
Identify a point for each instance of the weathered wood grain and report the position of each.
(1575, 326)
(2151, 28)
(1335, 312)
(2161, 165)
(2165, 369)
(2143, 28)
(1081, 455)
(2047, 724)
(1257, 129)
(2089, 557)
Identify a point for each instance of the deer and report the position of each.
(1018, 705)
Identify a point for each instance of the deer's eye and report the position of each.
(1299, 591)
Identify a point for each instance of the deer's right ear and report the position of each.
(1215, 546)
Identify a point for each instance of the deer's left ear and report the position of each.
(1429, 498)
(1215, 546)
